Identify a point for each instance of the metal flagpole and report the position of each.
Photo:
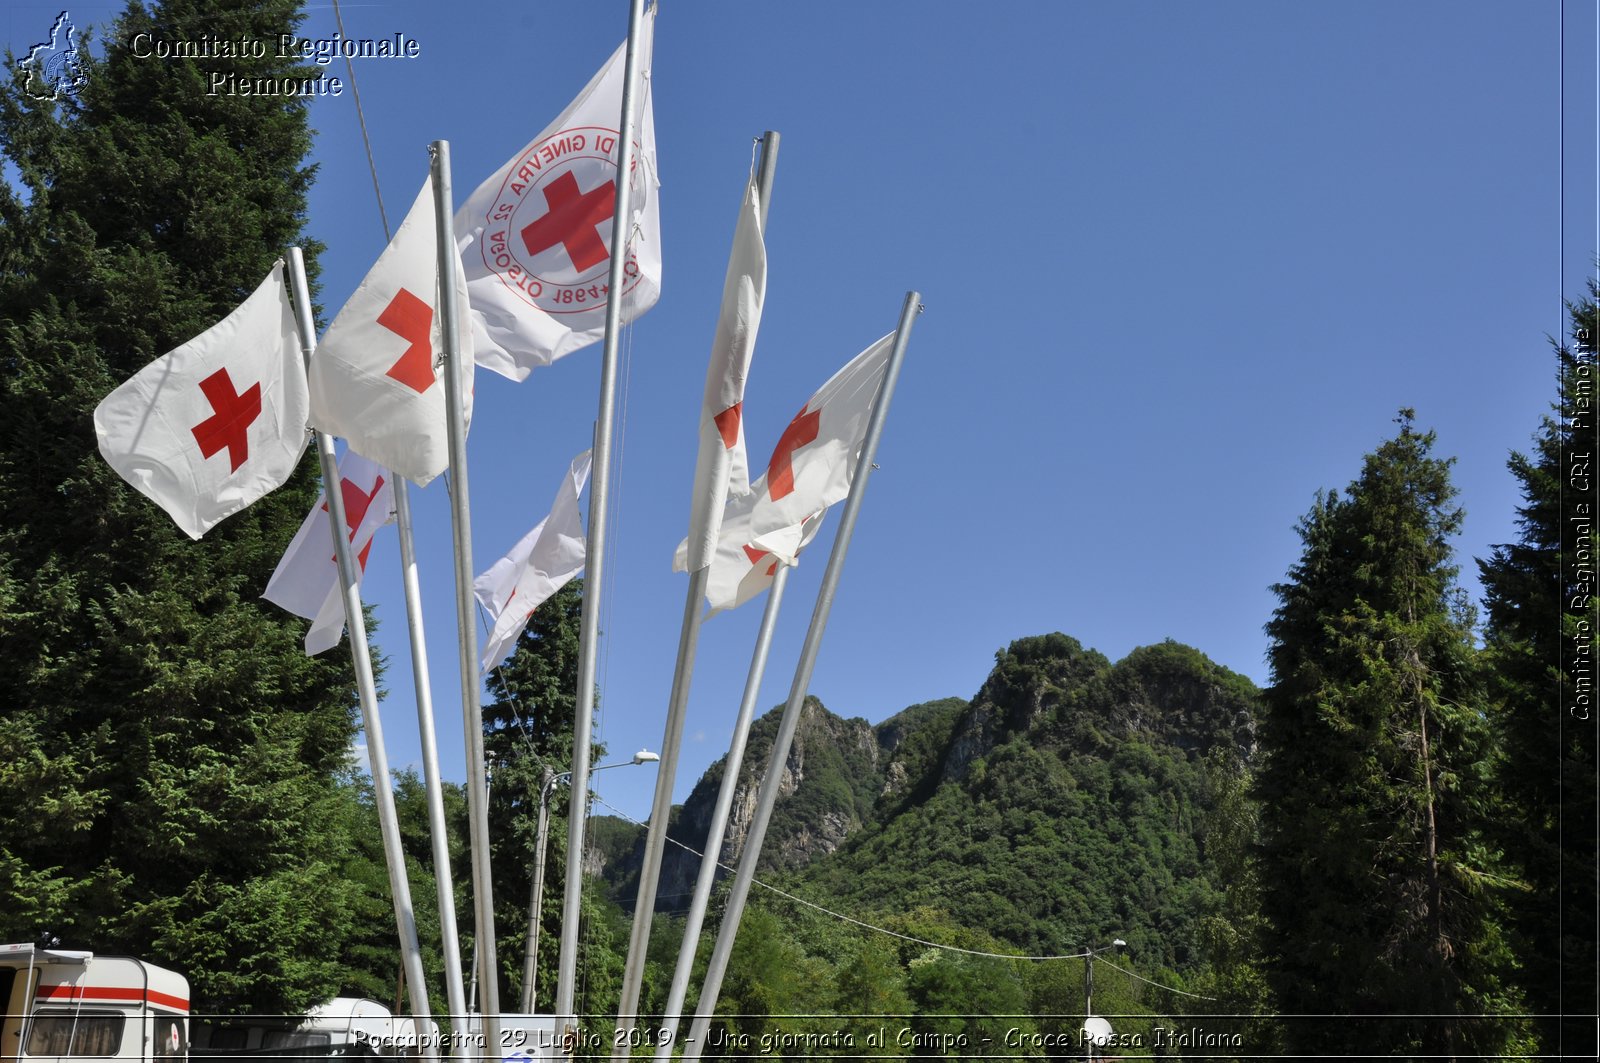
(768, 796)
(671, 1019)
(672, 739)
(366, 686)
(655, 839)
(437, 830)
(450, 312)
(530, 959)
(594, 562)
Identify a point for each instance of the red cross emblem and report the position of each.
(356, 504)
(412, 320)
(571, 221)
(755, 557)
(780, 470)
(727, 423)
(229, 424)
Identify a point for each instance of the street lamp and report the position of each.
(547, 787)
(1096, 1030)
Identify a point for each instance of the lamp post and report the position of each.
(1094, 1031)
(547, 787)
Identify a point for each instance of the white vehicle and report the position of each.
(62, 1005)
(343, 1027)
(343, 1021)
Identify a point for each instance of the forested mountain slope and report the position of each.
(1071, 805)
(1066, 804)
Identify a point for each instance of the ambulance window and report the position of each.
(229, 1038)
(170, 1042)
(85, 1033)
(294, 1039)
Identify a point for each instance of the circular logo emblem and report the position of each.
(548, 232)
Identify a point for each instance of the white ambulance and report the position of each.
(66, 1006)
(343, 1022)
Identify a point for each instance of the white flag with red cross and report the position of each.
(740, 568)
(811, 468)
(814, 461)
(539, 565)
(209, 427)
(377, 378)
(535, 238)
(306, 581)
(722, 468)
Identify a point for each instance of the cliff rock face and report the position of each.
(834, 779)
(831, 763)
(1031, 679)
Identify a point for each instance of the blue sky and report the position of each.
(1182, 263)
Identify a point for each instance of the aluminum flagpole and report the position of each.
(672, 1018)
(438, 832)
(655, 839)
(594, 562)
(450, 312)
(768, 796)
(672, 737)
(541, 834)
(366, 685)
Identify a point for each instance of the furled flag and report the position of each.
(535, 237)
(306, 581)
(377, 378)
(213, 425)
(722, 468)
(538, 566)
(741, 569)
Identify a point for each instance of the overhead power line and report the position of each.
(863, 924)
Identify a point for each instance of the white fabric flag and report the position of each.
(811, 468)
(306, 581)
(741, 569)
(814, 462)
(722, 468)
(535, 237)
(377, 378)
(211, 426)
(539, 565)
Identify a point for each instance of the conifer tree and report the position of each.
(1373, 869)
(1542, 620)
(168, 755)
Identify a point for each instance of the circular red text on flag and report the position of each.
(548, 232)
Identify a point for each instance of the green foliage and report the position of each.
(1541, 612)
(612, 838)
(1372, 862)
(771, 983)
(370, 961)
(602, 949)
(916, 739)
(956, 998)
(153, 703)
